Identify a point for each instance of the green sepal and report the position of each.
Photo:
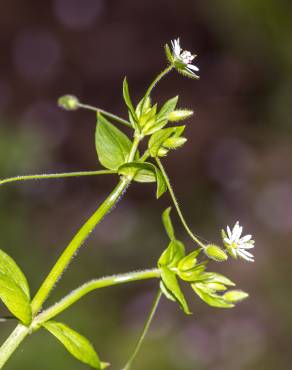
(76, 344)
(171, 256)
(194, 274)
(112, 145)
(214, 277)
(167, 223)
(168, 53)
(171, 284)
(147, 105)
(14, 289)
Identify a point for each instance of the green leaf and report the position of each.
(167, 294)
(167, 223)
(140, 172)
(158, 138)
(212, 299)
(171, 284)
(128, 101)
(167, 108)
(161, 184)
(9, 268)
(15, 300)
(172, 254)
(112, 145)
(76, 344)
(14, 289)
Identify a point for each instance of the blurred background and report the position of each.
(235, 166)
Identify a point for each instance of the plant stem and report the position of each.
(80, 237)
(154, 83)
(144, 331)
(105, 113)
(56, 176)
(75, 244)
(12, 342)
(88, 287)
(175, 202)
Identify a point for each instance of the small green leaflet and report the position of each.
(144, 172)
(172, 254)
(212, 299)
(14, 289)
(171, 284)
(112, 145)
(167, 223)
(128, 101)
(76, 344)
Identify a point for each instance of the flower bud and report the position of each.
(174, 142)
(235, 296)
(162, 152)
(68, 102)
(179, 115)
(215, 253)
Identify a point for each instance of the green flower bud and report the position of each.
(216, 287)
(174, 142)
(179, 115)
(68, 102)
(235, 296)
(162, 152)
(189, 261)
(215, 253)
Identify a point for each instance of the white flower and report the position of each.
(236, 244)
(183, 58)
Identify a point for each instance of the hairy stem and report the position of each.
(105, 113)
(75, 244)
(88, 287)
(144, 331)
(154, 83)
(12, 343)
(175, 202)
(56, 176)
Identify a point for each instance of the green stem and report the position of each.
(175, 202)
(144, 331)
(105, 113)
(56, 176)
(154, 83)
(12, 342)
(88, 287)
(75, 244)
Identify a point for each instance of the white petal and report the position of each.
(245, 238)
(229, 233)
(242, 255)
(246, 246)
(194, 68)
(226, 240)
(246, 253)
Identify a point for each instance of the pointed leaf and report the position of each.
(15, 299)
(167, 223)
(140, 172)
(212, 299)
(14, 289)
(171, 284)
(76, 344)
(128, 101)
(172, 254)
(112, 145)
(168, 107)
(9, 268)
(161, 184)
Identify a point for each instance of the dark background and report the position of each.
(235, 166)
